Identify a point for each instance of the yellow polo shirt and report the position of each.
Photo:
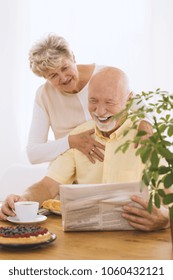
(73, 165)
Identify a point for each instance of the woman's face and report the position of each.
(64, 78)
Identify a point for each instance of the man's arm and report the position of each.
(45, 189)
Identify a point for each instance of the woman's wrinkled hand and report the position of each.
(7, 208)
(85, 143)
(139, 217)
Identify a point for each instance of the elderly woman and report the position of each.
(61, 103)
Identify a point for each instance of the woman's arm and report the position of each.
(39, 149)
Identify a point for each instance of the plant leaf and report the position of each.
(150, 204)
(144, 156)
(163, 169)
(139, 151)
(154, 159)
(157, 200)
(168, 198)
(171, 212)
(170, 161)
(141, 133)
(168, 180)
(145, 178)
(162, 128)
(161, 193)
(153, 181)
(170, 130)
(165, 152)
(154, 138)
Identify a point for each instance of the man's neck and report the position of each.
(108, 133)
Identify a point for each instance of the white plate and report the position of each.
(38, 219)
(48, 211)
(56, 212)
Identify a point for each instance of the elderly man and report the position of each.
(108, 94)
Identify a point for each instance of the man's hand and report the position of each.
(141, 219)
(44, 189)
(8, 206)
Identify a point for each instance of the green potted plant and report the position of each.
(156, 151)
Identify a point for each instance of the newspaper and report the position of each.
(97, 207)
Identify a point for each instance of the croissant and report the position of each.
(52, 204)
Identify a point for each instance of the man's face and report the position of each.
(104, 103)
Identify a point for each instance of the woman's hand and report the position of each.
(7, 208)
(141, 219)
(147, 127)
(85, 143)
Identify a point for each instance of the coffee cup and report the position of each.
(26, 210)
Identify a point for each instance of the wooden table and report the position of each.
(117, 245)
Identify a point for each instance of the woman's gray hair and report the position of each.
(48, 53)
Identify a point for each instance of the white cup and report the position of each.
(26, 210)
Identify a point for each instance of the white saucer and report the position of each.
(56, 212)
(38, 219)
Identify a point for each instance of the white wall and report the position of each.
(161, 44)
(10, 139)
(135, 35)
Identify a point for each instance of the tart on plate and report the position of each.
(24, 234)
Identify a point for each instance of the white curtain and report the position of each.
(135, 35)
(11, 60)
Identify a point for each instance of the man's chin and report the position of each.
(106, 128)
(105, 132)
